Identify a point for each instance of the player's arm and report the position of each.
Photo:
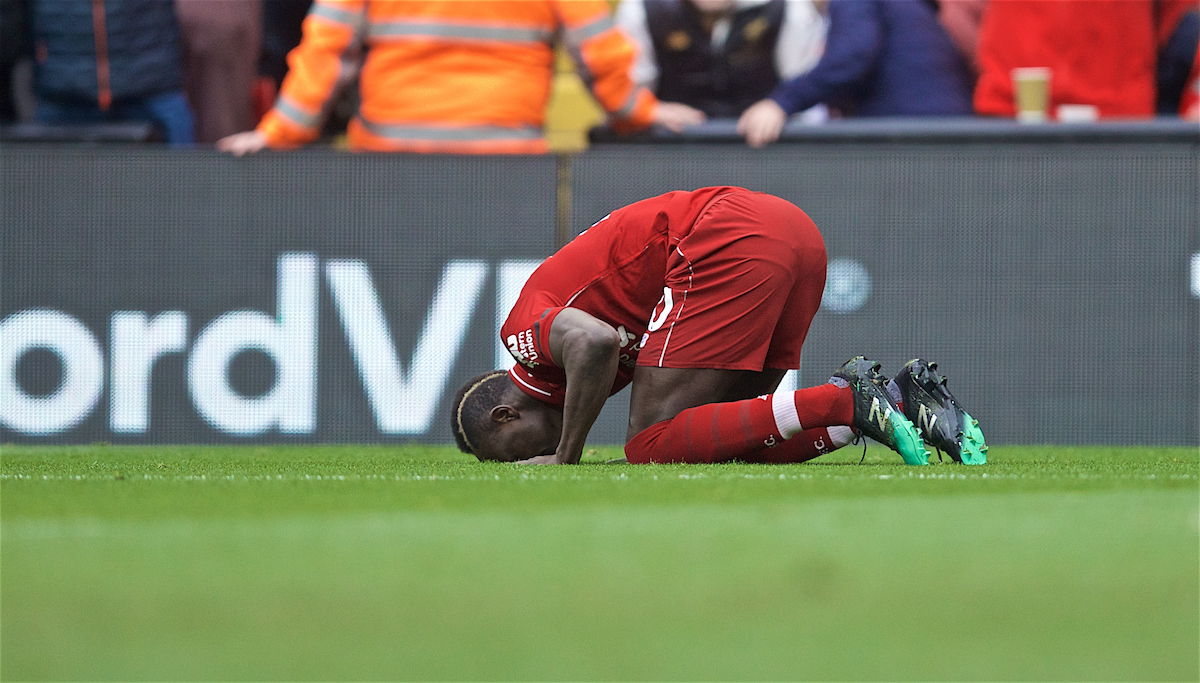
(587, 349)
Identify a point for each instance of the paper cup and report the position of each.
(1031, 93)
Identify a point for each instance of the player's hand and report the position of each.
(762, 123)
(240, 144)
(551, 459)
(675, 116)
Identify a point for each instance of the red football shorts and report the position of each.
(741, 288)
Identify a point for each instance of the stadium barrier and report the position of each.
(159, 296)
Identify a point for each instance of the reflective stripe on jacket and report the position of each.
(469, 76)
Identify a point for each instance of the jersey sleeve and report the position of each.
(527, 336)
(605, 56)
(327, 57)
(852, 48)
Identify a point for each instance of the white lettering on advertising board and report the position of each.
(403, 395)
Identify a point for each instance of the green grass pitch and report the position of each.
(417, 563)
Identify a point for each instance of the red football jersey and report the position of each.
(615, 271)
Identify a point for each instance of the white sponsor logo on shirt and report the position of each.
(521, 346)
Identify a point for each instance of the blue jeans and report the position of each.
(170, 111)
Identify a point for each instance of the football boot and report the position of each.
(876, 415)
(943, 423)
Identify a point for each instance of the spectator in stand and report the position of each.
(1100, 52)
(882, 58)
(1189, 101)
(14, 44)
(721, 56)
(451, 76)
(110, 60)
(961, 19)
(220, 58)
(283, 22)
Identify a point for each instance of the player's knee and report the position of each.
(645, 446)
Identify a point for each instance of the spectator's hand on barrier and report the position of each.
(675, 116)
(240, 144)
(762, 123)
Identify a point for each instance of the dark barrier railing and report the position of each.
(149, 295)
(965, 129)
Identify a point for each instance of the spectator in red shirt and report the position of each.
(1100, 52)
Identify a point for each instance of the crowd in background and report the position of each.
(475, 76)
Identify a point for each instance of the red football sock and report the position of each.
(824, 405)
(804, 446)
(741, 430)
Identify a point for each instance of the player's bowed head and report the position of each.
(494, 420)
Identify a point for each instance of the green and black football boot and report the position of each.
(875, 413)
(942, 421)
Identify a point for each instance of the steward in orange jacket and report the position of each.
(465, 76)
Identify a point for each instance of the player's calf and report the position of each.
(759, 429)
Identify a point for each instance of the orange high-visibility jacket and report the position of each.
(469, 76)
